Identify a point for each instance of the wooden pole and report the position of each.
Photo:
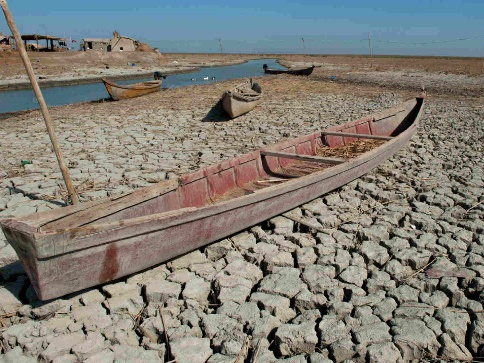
(220, 43)
(40, 99)
(371, 51)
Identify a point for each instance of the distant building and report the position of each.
(95, 44)
(117, 43)
(122, 44)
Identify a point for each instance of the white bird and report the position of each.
(213, 78)
(205, 78)
(194, 79)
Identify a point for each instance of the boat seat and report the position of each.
(361, 136)
(314, 159)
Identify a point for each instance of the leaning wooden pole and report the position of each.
(40, 99)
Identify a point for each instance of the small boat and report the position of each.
(242, 98)
(72, 248)
(123, 91)
(295, 72)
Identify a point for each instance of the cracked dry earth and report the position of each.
(388, 268)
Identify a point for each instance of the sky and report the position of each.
(410, 27)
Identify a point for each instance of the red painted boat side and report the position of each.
(76, 247)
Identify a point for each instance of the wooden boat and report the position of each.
(72, 248)
(295, 72)
(121, 91)
(242, 98)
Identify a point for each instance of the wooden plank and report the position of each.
(314, 159)
(361, 136)
(114, 205)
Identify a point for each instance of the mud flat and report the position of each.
(397, 274)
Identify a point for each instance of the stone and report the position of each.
(218, 250)
(16, 355)
(454, 323)
(374, 233)
(9, 298)
(264, 326)
(282, 225)
(277, 305)
(414, 339)
(372, 334)
(452, 350)
(187, 260)
(197, 289)
(284, 281)
(354, 275)
(61, 345)
(130, 301)
(342, 350)
(232, 288)
(374, 253)
(92, 317)
(383, 352)
(120, 288)
(246, 313)
(292, 339)
(476, 334)
(124, 353)
(244, 269)
(181, 276)
(191, 350)
(331, 330)
(306, 300)
(305, 256)
(94, 343)
(404, 293)
(213, 324)
(161, 291)
(319, 278)
(90, 297)
(279, 259)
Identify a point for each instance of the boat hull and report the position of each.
(80, 255)
(294, 72)
(121, 92)
(236, 105)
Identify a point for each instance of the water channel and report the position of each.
(17, 100)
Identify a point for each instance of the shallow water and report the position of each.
(18, 100)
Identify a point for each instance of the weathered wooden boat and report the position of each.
(122, 91)
(73, 248)
(295, 72)
(242, 98)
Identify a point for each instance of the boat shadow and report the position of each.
(216, 114)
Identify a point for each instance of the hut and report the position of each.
(95, 44)
(121, 43)
(53, 43)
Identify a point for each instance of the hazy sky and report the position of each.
(254, 26)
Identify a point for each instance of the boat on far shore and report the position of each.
(123, 91)
(242, 98)
(294, 72)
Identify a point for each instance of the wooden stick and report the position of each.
(168, 348)
(40, 99)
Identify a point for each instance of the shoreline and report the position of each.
(67, 80)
